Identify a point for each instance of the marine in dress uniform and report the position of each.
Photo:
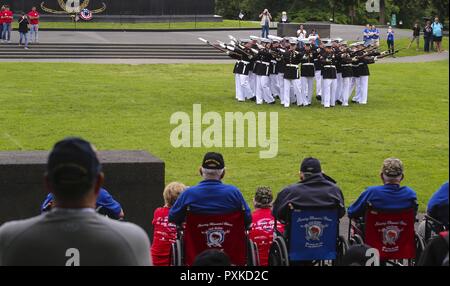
(242, 70)
(307, 72)
(329, 75)
(292, 59)
(347, 76)
(318, 71)
(262, 69)
(274, 69)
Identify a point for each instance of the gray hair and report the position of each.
(391, 180)
(212, 174)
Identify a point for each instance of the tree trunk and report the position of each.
(382, 12)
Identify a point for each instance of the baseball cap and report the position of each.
(263, 197)
(311, 165)
(213, 161)
(392, 167)
(73, 161)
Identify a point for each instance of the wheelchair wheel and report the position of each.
(176, 254)
(252, 254)
(278, 255)
(342, 247)
(420, 247)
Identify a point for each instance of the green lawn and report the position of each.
(179, 25)
(129, 107)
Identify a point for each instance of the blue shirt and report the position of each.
(388, 197)
(390, 36)
(104, 200)
(366, 34)
(375, 34)
(439, 198)
(209, 197)
(437, 29)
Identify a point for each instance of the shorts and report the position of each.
(437, 39)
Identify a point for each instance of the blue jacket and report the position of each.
(109, 206)
(209, 197)
(388, 197)
(439, 198)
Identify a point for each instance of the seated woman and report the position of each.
(165, 233)
(263, 222)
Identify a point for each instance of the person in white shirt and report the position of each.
(265, 23)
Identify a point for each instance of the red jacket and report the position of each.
(164, 234)
(261, 232)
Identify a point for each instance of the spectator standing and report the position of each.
(23, 30)
(437, 34)
(266, 18)
(367, 35)
(284, 18)
(427, 36)
(7, 18)
(416, 36)
(34, 16)
(165, 233)
(1, 22)
(301, 35)
(73, 234)
(375, 36)
(390, 40)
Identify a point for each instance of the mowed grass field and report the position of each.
(129, 107)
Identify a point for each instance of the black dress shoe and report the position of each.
(253, 98)
(319, 97)
(273, 102)
(338, 102)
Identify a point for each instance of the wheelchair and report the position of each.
(311, 238)
(227, 233)
(391, 232)
(434, 226)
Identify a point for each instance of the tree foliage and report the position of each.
(344, 11)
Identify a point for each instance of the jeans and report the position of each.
(6, 32)
(265, 31)
(426, 45)
(23, 38)
(34, 31)
(390, 45)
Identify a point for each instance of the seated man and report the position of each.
(315, 189)
(438, 204)
(210, 196)
(105, 205)
(72, 233)
(389, 196)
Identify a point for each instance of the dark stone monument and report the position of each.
(123, 11)
(290, 29)
(134, 178)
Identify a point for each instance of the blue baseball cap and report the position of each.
(73, 161)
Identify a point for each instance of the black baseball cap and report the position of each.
(73, 161)
(311, 165)
(213, 161)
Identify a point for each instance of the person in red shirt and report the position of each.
(1, 23)
(33, 15)
(263, 222)
(165, 233)
(7, 18)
